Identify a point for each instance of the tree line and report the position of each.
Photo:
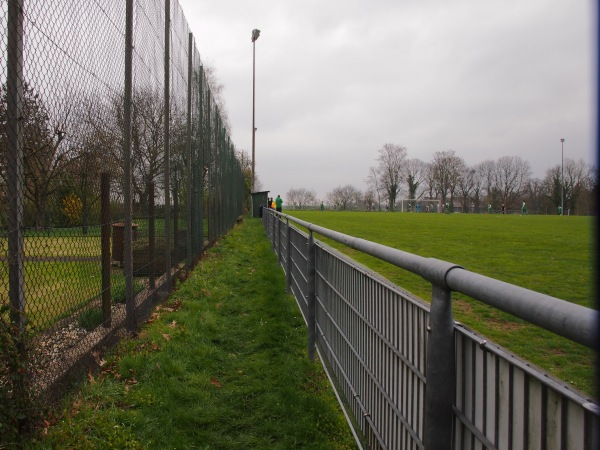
(448, 179)
(65, 150)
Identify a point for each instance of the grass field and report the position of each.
(63, 270)
(222, 365)
(549, 254)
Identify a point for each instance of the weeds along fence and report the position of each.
(406, 374)
(116, 168)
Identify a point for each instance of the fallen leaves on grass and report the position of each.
(216, 383)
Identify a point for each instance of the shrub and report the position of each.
(72, 209)
(17, 409)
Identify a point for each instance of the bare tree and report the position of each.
(147, 155)
(49, 149)
(370, 200)
(431, 187)
(415, 175)
(511, 179)
(466, 187)
(536, 196)
(217, 88)
(576, 179)
(446, 171)
(485, 172)
(246, 166)
(391, 170)
(95, 142)
(551, 186)
(344, 197)
(301, 197)
(375, 185)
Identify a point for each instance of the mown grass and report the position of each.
(62, 269)
(55, 289)
(222, 366)
(549, 254)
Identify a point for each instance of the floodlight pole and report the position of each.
(255, 34)
(562, 176)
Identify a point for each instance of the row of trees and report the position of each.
(449, 179)
(66, 148)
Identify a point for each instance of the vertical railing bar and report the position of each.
(496, 400)
(484, 392)
(526, 395)
(510, 405)
(279, 221)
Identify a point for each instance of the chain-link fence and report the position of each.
(116, 169)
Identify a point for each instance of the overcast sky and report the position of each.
(337, 79)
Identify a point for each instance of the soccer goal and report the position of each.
(419, 205)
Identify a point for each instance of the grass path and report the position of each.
(222, 365)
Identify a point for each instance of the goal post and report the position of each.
(419, 205)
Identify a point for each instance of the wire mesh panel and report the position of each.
(373, 335)
(67, 122)
(298, 273)
(503, 402)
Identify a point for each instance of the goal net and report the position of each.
(419, 205)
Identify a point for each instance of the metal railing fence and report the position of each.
(115, 168)
(408, 376)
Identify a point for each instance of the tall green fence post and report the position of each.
(14, 131)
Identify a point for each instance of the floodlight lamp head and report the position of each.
(255, 34)
(562, 140)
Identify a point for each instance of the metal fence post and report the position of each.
(14, 131)
(311, 298)
(188, 168)
(105, 247)
(199, 178)
(441, 374)
(127, 247)
(288, 272)
(167, 144)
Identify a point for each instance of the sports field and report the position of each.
(549, 254)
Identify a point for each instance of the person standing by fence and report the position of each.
(278, 203)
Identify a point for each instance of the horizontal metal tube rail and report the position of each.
(574, 322)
